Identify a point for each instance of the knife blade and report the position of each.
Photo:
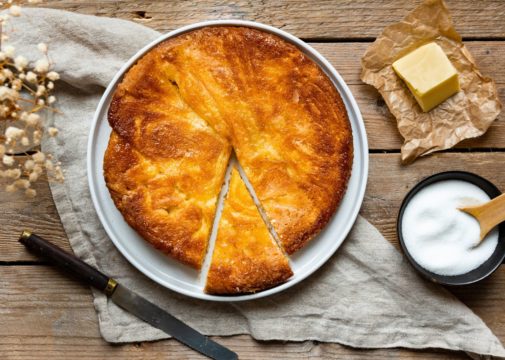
(127, 299)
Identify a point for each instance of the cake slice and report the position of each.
(246, 258)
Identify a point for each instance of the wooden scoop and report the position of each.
(488, 214)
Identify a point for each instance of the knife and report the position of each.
(125, 298)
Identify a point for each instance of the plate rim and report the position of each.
(329, 70)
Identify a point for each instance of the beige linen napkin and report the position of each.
(365, 296)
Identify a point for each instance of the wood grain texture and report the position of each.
(56, 305)
(18, 213)
(338, 19)
(489, 214)
(47, 316)
(380, 124)
(388, 183)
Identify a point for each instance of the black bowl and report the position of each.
(490, 265)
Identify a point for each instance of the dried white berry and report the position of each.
(49, 165)
(50, 85)
(25, 141)
(41, 102)
(13, 132)
(9, 50)
(53, 76)
(42, 66)
(16, 84)
(31, 193)
(51, 99)
(7, 73)
(41, 89)
(8, 160)
(33, 119)
(52, 131)
(33, 176)
(15, 10)
(8, 94)
(38, 169)
(20, 62)
(31, 77)
(37, 136)
(42, 47)
(29, 164)
(58, 174)
(39, 157)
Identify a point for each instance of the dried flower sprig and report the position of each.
(25, 97)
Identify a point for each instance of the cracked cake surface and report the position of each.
(181, 109)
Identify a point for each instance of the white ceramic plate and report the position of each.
(181, 278)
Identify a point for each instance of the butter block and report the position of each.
(429, 75)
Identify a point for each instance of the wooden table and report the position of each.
(45, 315)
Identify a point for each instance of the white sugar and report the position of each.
(441, 238)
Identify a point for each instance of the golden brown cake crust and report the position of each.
(164, 166)
(246, 258)
(254, 92)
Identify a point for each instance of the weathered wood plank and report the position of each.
(383, 134)
(17, 213)
(388, 183)
(380, 124)
(346, 58)
(54, 318)
(307, 19)
(44, 315)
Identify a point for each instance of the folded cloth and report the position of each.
(366, 295)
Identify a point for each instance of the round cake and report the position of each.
(182, 110)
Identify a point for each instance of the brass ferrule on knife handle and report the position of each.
(111, 286)
(68, 262)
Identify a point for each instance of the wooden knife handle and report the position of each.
(68, 262)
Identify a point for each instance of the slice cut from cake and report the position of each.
(246, 258)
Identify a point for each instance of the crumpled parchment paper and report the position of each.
(467, 114)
